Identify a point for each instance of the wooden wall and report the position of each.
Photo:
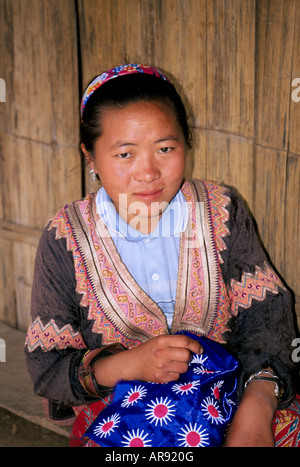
(236, 60)
(39, 162)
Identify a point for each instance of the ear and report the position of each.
(88, 156)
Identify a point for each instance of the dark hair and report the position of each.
(124, 90)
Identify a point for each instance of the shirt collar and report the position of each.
(172, 222)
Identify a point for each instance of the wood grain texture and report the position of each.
(274, 35)
(39, 160)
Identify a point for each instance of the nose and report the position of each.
(146, 168)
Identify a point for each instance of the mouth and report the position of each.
(149, 195)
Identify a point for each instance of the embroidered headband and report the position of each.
(114, 73)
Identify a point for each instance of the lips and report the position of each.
(149, 195)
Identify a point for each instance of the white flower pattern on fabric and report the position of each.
(193, 436)
(134, 395)
(160, 411)
(107, 426)
(186, 387)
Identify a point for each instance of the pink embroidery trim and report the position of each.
(220, 215)
(49, 336)
(253, 287)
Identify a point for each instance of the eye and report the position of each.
(165, 150)
(124, 155)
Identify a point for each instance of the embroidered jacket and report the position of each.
(85, 304)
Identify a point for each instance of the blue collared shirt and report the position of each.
(151, 259)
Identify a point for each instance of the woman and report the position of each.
(120, 272)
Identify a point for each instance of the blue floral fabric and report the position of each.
(193, 411)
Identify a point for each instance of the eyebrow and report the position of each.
(121, 144)
(167, 138)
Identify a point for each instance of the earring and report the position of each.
(93, 175)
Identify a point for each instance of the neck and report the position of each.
(144, 225)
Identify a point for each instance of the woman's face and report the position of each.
(140, 159)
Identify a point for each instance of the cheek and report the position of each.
(176, 168)
(113, 174)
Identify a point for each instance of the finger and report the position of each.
(194, 346)
(180, 355)
(178, 367)
(186, 342)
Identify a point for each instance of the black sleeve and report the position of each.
(56, 313)
(263, 325)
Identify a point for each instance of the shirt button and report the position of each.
(155, 277)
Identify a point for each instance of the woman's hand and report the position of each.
(159, 360)
(252, 422)
(164, 358)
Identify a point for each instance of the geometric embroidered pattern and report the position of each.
(84, 287)
(223, 316)
(253, 287)
(49, 336)
(217, 201)
(219, 214)
(63, 230)
(133, 312)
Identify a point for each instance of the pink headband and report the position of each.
(114, 73)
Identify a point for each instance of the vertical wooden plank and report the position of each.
(8, 312)
(292, 220)
(229, 160)
(230, 66)
(24, 255)
(183, 53)
(277, 119)
(42, 84)
(294, 117)
(270, 190)
(275, 34)
(292, 226)
(40, 178)
(41, 112)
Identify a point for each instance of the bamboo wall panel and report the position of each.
(234, 60)
(230, 91)
(275, 36)
(277, 148)
(40, 164)
(292, 197)
(291, 251)
(294, 128)
(7, 292)
(231, 66)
